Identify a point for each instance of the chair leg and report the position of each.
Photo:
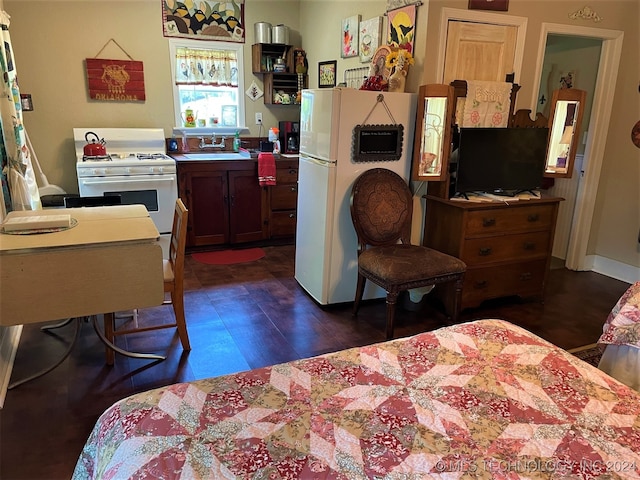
(109, 326)
(178, 310)
(359, 292)
(456, 300)
(392, 299)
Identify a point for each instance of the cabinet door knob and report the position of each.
(292, 215)
(526, 276)
(480, 284)
(294, 189)
(529, 246)
(485, 251)
(293, 171)
(488, 222)
(533, 217)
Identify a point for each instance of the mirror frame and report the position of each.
(434, 90)
(570, 95)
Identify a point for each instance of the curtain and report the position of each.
(200, 66)
(19, 187)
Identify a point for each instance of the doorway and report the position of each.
(579, 226)
(569, 62)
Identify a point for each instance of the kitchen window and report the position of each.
(208, 84)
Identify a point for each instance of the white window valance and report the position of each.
(201, 66)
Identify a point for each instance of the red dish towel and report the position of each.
(266, 169)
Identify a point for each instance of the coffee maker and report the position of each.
(289, 137)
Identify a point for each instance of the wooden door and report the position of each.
(479, 51)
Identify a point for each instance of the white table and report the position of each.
(109, 261)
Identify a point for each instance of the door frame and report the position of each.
(481, 17)
(601, 109)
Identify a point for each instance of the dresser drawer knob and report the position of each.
(526, 276)
(529, 246)
(533, 217)
(480, 284)
(293, 172)
(292, 215)
(294, 189)
(484, 251)
(488, 222)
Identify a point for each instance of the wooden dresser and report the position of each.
(506, 246)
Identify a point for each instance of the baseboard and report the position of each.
(9, 340)
(614, 269)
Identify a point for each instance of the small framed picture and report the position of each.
(498, 5)
(327, 74)
(26, 102)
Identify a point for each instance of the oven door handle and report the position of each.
(159, 178)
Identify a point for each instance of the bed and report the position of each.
(484, 399)
(620, 339)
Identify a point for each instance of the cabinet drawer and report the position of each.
(283, 224)
(525, 278)
(509, 219)
(286, 175)
(284, 197)
(517, 247)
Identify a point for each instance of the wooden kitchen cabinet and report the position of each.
(507, 247)
(283, 200)
(225, 202)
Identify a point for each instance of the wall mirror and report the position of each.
(432, 144)
(567, 107)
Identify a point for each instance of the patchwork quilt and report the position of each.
(484, 399)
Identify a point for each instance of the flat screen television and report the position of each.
(500, 160)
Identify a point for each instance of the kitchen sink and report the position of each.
(218, 156)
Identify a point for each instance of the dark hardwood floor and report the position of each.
(239, 317)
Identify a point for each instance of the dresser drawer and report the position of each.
(524, 278)
(283, 224)
(286, 175)
(508, 219)
(506, 248)
(284, 197)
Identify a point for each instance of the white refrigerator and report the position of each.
(326, 263)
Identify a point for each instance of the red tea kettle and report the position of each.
(95, 147)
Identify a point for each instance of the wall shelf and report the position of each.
(263, 60)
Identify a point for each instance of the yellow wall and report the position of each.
(52, 38)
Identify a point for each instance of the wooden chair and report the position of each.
(381, 209)
(173, 270)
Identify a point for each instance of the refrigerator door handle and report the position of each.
(315, 161)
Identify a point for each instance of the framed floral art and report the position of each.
(349, 34)
(327, 74)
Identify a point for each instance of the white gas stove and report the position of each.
(142, 148)
(135, 168)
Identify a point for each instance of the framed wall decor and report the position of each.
(327, 74)
(370, 37)
(497, 5)
(349, 36)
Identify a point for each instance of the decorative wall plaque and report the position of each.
(377, 143)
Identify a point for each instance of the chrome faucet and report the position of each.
(203, 144)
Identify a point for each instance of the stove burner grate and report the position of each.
(95, 158)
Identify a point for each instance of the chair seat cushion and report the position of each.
(402, 264)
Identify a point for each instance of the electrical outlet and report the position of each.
(258, 118)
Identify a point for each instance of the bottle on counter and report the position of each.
(236, 142)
